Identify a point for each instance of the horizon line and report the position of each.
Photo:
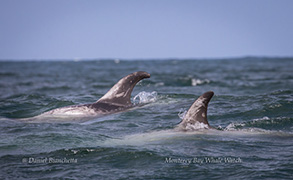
(146, 59)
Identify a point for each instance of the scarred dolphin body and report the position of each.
(115, 100)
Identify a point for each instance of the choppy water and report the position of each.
(252, 108)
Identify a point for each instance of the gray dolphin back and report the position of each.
(120, 93)
(197, 113)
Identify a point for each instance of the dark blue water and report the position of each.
(252, 110)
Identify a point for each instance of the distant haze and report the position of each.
(149, 29)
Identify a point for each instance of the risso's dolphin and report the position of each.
(195, 122)
(115, 100)
(196, 116)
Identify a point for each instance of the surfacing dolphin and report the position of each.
(115, 100)
(194, 122)
(196, 116)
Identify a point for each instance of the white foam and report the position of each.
(232, 126)
(195, 82)
(117, 61)
(240, 127)
(159, 84)
(196, 126)
(236, 126)
(145, 97)
(261, 119)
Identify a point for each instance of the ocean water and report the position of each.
(252, 111)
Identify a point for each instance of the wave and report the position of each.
(178, 81)
(29, 105)
(280, 124)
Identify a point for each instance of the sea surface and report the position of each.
(252, 111)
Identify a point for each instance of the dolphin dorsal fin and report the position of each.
(120, 93)
(197, 113)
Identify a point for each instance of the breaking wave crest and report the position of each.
(196, 82)
(262, 124)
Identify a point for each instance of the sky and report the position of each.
(145, 29)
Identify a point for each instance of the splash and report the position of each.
(145, 97)
(182, 113)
